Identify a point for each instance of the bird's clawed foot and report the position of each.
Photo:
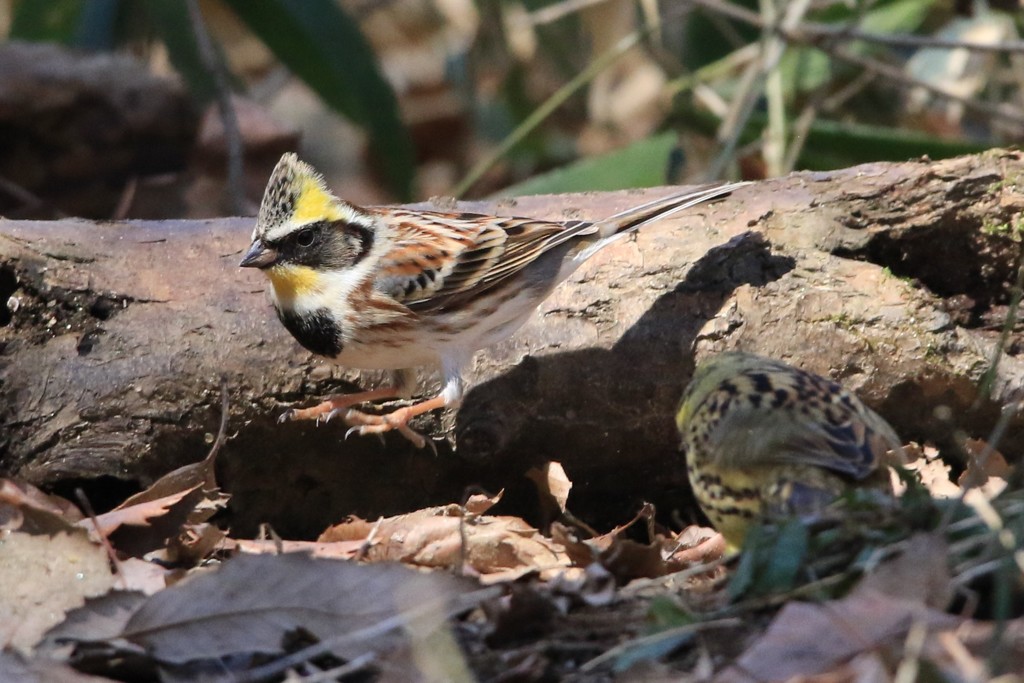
(365, 423)
(336, 405)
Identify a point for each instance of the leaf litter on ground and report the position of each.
(42, 576)
(495, 548)
(278, 605)
(254, 604)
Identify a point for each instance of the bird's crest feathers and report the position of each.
(296, 194)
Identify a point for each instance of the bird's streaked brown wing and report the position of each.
(748, 436)
(440, 259)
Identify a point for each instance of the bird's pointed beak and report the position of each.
(258, 256)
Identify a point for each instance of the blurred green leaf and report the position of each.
(787, 558)
(95, 29)
(87, 25)
(830, 145)
(900, 16)
(641, 164)
(325, 48)
(664, 612)
(708, 39)
(653, 647)
(805, 68)
(834, 144)
(743, 578)
(772, 559)
(171, 22)
(54, 21)
(838, 144)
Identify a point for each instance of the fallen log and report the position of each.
(892, 278)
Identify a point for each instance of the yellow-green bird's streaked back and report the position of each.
(763, 438)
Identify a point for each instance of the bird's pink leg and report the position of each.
(398, 420)
(335, 404)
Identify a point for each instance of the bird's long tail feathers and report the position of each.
(639, 216)
(625, 222)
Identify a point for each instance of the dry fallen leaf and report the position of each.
(696, 545)
(933, 472)
(627, 560)
(25, 508)
(806, 639)
(594, 586)
(986, 472)
(174, 505)
(920, 573)
(478, 503)
(44, 576)
(140, 514)
(195, 543)
(140, 575)
(337, 550)
(141, 527)
(522, 613)
(251, 604)
(553, 487)
(498, 548)
(100, 618)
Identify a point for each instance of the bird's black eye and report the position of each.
(305, 237)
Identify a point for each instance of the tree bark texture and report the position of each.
(892, 278)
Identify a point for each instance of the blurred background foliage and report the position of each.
(406, 99)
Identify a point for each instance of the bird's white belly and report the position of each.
(457, 334)
(381, 357)
(483, 325)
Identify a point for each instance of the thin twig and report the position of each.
(124, 204)
(817, 31)
(546, 109)
(559, 10)
(226, 107)
(732, 61)
(26, 197)
(898, 77)
(821, 99)
(222, 432)
(360, 663)
(1016, 294)
(773, 47)
(104, 541)
(371, 538)
(810, 32)
(775, 133)
(825, 43)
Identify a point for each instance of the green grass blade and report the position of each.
(641, 164)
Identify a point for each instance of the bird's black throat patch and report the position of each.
(316, 331)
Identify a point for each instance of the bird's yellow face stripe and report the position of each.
(684, 414)
(291, 281)
(314, 204)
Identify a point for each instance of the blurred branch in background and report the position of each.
(232, 136)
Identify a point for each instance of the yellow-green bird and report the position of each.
(763, 438)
